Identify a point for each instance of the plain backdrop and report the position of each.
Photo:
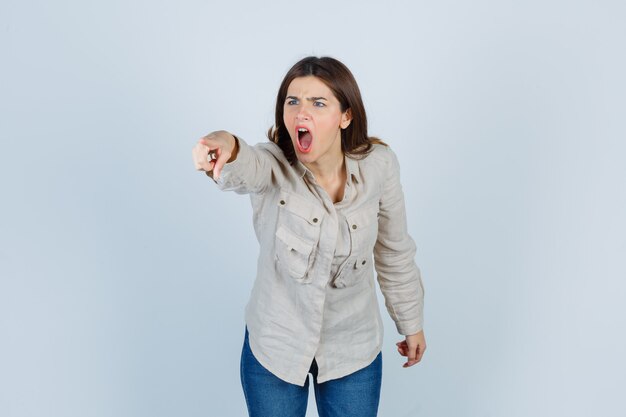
(124, 272)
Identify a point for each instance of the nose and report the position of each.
(303, 114)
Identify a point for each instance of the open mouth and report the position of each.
(305, 139)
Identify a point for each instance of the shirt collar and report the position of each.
(300, 168)
(352, 168)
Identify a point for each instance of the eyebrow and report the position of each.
(308, 98)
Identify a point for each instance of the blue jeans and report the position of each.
(357, 394)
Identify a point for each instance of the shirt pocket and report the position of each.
(297, 235)
(293, 254)
(353, 271)
(363, 226)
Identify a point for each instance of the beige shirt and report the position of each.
(314, 293)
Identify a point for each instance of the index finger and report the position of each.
(211, 144)
(222, 158)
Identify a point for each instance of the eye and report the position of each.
(322, 104)
(290, 101)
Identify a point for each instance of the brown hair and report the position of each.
(333, 73)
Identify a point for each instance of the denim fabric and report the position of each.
(356, 394)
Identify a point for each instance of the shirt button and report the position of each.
(354, 226)
(314, 219)
(363, 263)
(282, 202)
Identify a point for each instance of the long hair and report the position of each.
(333, 73)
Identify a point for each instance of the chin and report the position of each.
(305, 157)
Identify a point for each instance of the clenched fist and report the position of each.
(213, 151)
(413, 348)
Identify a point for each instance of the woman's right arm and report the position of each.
(236, 166)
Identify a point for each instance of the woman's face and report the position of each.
(310, 104)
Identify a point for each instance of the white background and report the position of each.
(124, 272)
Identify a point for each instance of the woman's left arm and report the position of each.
(397, 273)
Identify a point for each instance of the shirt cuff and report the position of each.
(406, 328)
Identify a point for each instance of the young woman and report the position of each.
(325, 198)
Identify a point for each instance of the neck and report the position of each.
(328, 171)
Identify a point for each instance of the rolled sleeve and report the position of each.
(394, 256)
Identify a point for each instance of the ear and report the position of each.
(346, 118)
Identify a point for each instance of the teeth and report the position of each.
(302, 129)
